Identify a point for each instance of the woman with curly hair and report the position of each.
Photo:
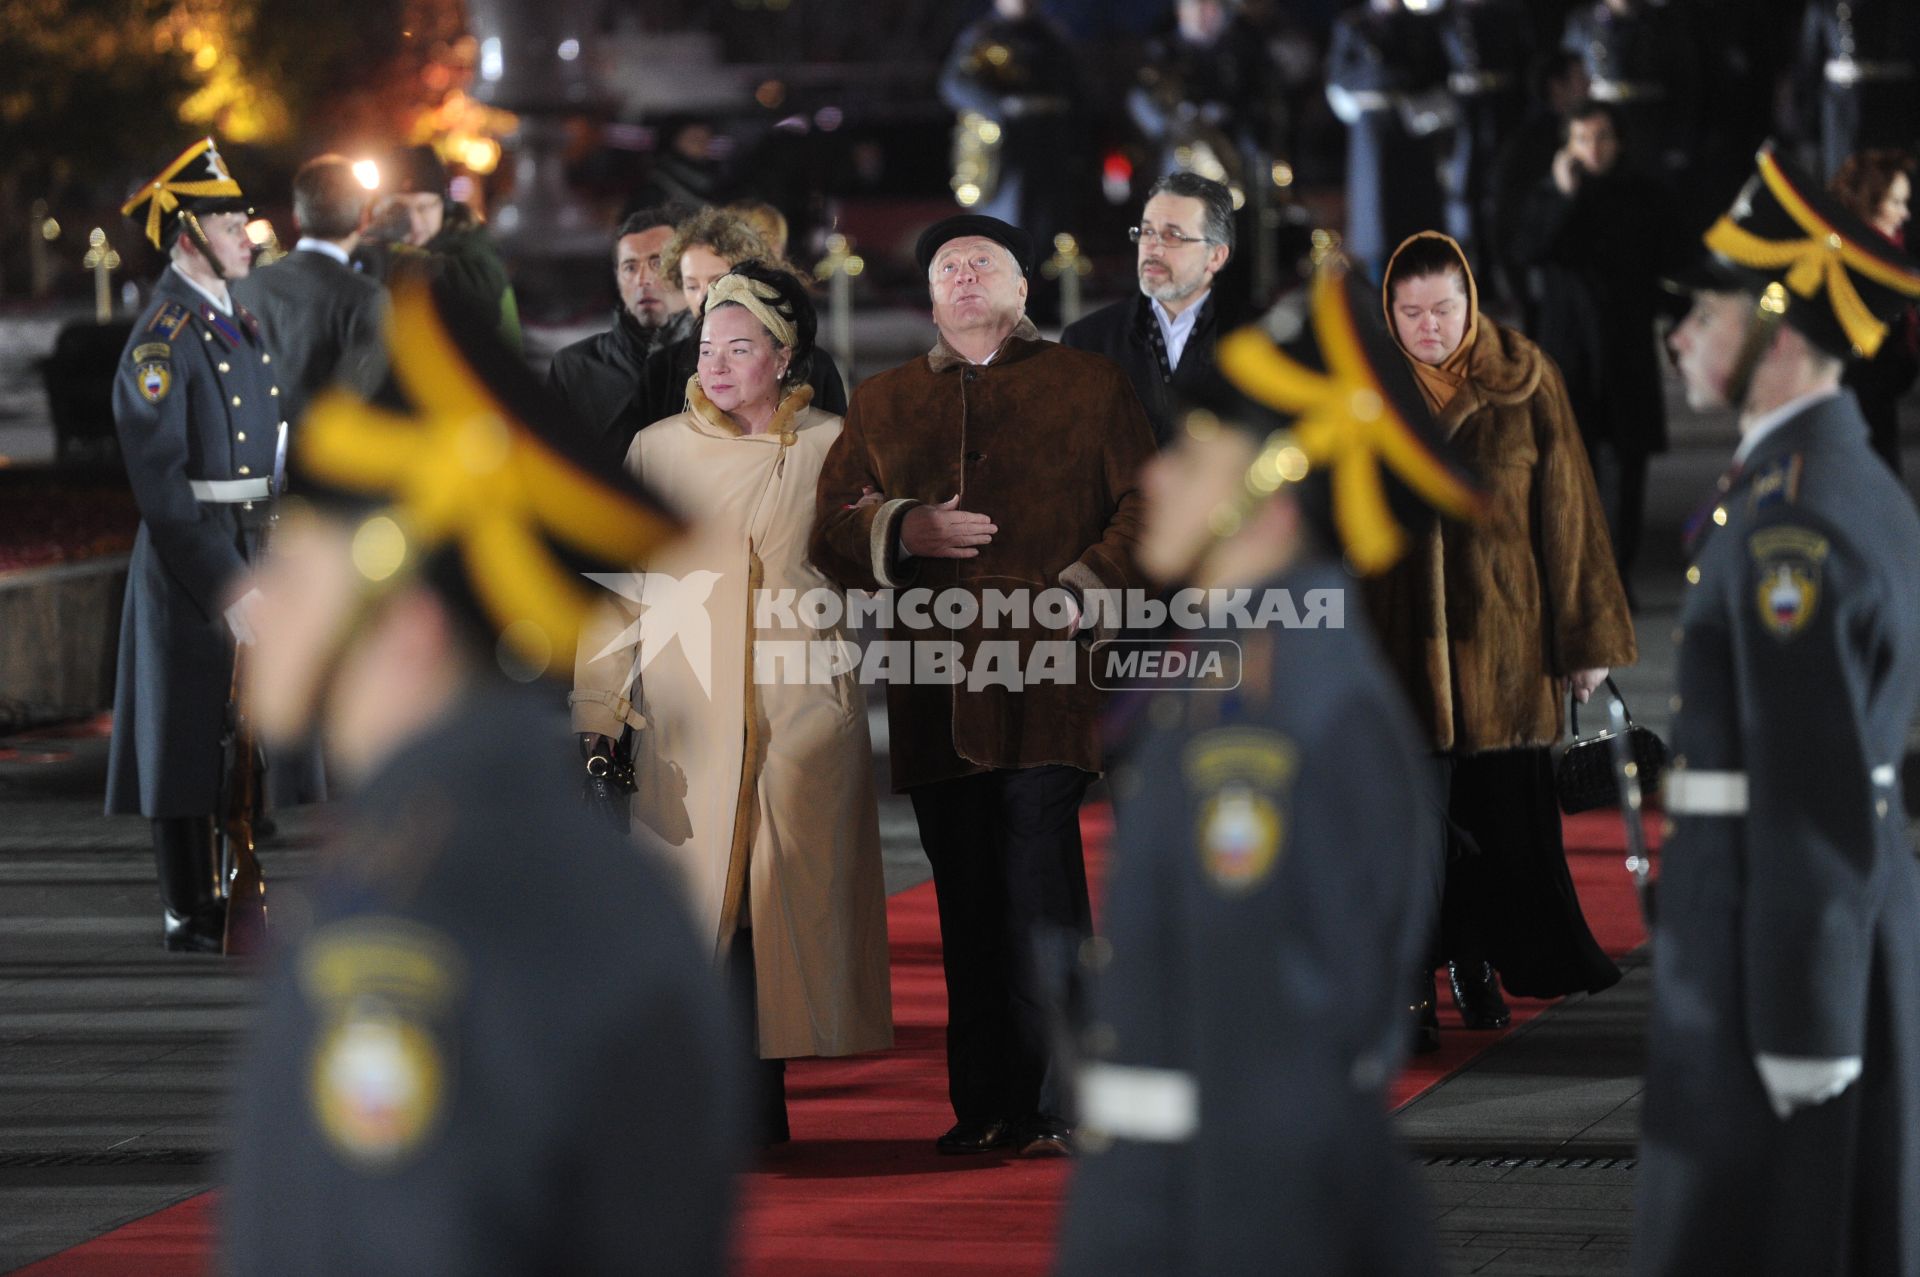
(1877, 187)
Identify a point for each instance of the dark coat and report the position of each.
(1393, 185)
(1485, 623)
(599, 378)
(1789, 915)
(1119, 332)
(195, 397)
(1047, 441)
(1488, 48)
(1643, 63)
(1593, 263)
(323, 321)
(1269, 895)
(482, 1058)
(663, 383)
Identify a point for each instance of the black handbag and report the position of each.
(1584, 777)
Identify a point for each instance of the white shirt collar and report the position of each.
(1177, 328)
(1768, 422)
(222, 304)
(325, 247)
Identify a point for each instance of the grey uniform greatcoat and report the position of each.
(1789, 919)
(195, 398)
(1271, 888)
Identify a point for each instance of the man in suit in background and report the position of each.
(1164, 337)
(323, 319)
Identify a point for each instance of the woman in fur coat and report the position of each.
(1490, 629)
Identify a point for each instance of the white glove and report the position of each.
(1799, 1081)
(239, 616)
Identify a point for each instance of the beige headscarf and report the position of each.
(756, 297)
(1438, 382)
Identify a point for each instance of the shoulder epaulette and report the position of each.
(1777, 483)
(169, 319)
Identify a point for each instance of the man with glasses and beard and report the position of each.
(1163, 337)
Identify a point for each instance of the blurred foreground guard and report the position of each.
(1782, 1125)
(197, 405)
(1279, 874)
(497, 1048)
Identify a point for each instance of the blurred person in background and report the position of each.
(1386, 81)
(598, 377)
(1642, 61)
(1489, 628)
(1488, 47)
(1877, 188)
(424, 231)
(323, 319)
(1557, 82)
(768, 222)
(761, 789)
(1595, 237)
(1858, 75)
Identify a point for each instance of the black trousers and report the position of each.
(183, 857)
(1012, 889)
(1621, 476)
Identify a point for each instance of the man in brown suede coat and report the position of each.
(1001, 463)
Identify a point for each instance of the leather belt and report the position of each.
(230, 491)
(1470, 83)
(1703, 793)
(1845, 71)
(1628, 90)
(1123, 1101)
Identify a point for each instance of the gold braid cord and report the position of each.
(459, 469)
(1344, 423)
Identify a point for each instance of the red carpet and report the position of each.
(860, 1190)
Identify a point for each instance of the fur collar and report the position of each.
(1504, 369)
(710, 420)
(942, 356)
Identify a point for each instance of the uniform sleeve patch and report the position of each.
(1778, 484)
(1786, 575)
(151, 350)
(169, 319)
(1242, 777)
(153, 379)
(384, 993)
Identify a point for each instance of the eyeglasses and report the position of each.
(1154, 235)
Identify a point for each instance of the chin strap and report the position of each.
(1768, 313)
(192, 226)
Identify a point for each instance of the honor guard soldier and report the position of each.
(496, 1047)
(1782, 1126)
(1487, 43)
(197, 405)
(1277, 876)
(1859, 73)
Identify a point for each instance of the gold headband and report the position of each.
(754, 295)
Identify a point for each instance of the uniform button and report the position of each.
(1880, 806)
(1679, 762)
(1666, 829)
(1095, 953)
(205, 336)
(274, 391)
(224, 367)
(265, 358)
(1679, 635)
(1720, 515)
(1100, 1039)
(1693, 573)
(245, 470)
(1674, 704)
(236, 401)
(242, 437)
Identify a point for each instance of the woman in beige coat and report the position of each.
(753, 769)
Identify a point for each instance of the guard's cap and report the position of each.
(1320, 382)
(463, 471)
(197, 182)
(961, 225)
(1843, 281)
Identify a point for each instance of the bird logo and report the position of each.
(671, 607)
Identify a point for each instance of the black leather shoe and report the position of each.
(202, 931)
(1046, 1137)
(1426, 1017)
(976, 1137)
(1476, 991)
